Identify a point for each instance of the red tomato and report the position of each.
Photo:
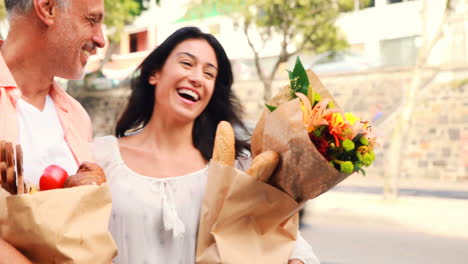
(53, 177)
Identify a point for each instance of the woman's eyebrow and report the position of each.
(195, 58)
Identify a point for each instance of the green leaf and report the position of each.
(290, 74)
(270, 107)
(299, 79)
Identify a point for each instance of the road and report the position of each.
(416, 192)
(341, 238)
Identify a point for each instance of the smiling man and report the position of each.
(47, 39)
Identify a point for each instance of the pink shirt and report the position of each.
(73, 117)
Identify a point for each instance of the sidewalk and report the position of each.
(436, 216)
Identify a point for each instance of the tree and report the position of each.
(2, 14)
(352, 5)
(294, 26)
(119, 13)
(404, 114)
(2, 10)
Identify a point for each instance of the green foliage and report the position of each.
(348, 145)
(2, 10)
(348, 5)
(271, 107)
(346, 167)
(294, 26)
(298, 78)
(118, 14)
(364, 141)
(304, 23)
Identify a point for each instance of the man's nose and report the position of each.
(98, 38)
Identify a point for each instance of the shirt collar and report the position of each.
(7, 81)
(58, 95)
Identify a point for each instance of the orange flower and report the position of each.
(314, 117)
(338, 127)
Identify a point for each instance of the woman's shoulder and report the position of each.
(105, 148)
(105, 141)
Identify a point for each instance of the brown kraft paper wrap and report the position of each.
(303, 173)
(244, 220)
(59, 226)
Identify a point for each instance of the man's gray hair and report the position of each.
(23, 6)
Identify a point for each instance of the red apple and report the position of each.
(53, 177)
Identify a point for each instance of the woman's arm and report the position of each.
(9, 254)
(303, 252)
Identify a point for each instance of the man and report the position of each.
(47, 39)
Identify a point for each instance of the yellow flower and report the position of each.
(337, 120)
(351, 118)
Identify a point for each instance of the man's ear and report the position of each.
(46, 10)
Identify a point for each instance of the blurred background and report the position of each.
(400, 64)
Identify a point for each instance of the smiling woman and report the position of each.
(157, 164)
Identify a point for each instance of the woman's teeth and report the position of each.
(188, 94)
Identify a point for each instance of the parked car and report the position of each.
(342, 61)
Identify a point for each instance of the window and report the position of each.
(354, 5)
(399, 52)
(397, 1)
(138, 41)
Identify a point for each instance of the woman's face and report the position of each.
(186, 82)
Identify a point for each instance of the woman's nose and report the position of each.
(196, 77)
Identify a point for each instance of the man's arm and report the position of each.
(9, 254)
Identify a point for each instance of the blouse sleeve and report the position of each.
(104, 152)
(303, 251)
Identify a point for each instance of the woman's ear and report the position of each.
(46, 10)
(153, 79)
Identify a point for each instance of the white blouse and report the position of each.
(155, 220)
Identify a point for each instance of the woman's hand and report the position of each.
(295, 261)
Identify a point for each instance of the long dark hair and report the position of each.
(223, 104)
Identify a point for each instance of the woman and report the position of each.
(157, 167)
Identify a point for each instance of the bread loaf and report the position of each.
(88, 173)
(224, 145)
(264, 165)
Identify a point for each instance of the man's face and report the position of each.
(76, 35)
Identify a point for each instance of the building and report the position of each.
(390, 31)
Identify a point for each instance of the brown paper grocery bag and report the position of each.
(59, 226)
(244, 220)
(303, 173)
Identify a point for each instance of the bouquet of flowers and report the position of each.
(342, 138)
(302, 147)
(320, 145)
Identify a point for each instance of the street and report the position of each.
(341, 236)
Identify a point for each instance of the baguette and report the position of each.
(263, 165)
(9, 155)
(19, 170)
(2, 150)
(88, 174)
(10, 171)
(3, 175)
(224, 150)
(11, 180)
